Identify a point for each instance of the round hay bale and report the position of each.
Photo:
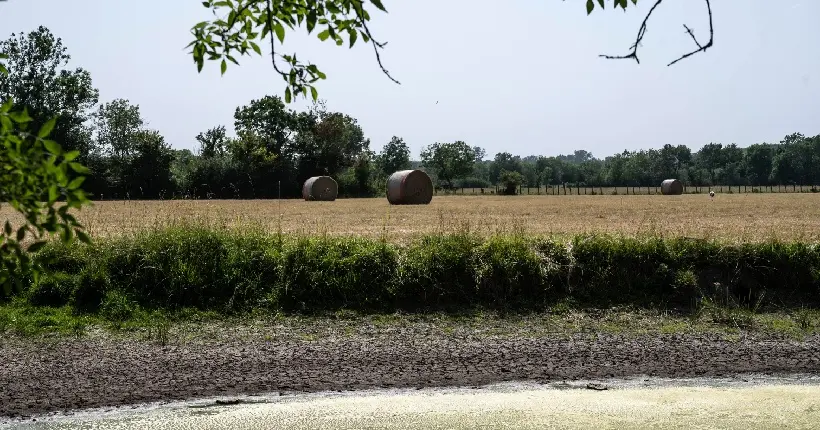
(671, 187)
(320, 188)
(409, 187)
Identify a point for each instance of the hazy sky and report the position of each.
(522, 77)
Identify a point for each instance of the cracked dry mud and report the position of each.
(60, 374)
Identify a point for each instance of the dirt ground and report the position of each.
(64, 373)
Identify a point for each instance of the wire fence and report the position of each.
(554, 190)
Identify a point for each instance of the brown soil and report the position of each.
(49, 375)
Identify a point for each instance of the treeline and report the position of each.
(274, 148)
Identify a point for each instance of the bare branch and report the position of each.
(642, 32)
(691, 33)
(376, 46)
(638, 39)
(708, 44)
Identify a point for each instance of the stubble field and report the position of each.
(735, 217)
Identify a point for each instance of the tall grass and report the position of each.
(234, 272)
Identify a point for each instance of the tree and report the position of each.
(711, 159)
(504, 161)
(137, 160)
(480, 153)
(239, 26)
(116, 126)
(758, 160)
(270, 120)
(395, 156)
(450, 161)
(327, 142)
(37, 80)
(212, 143)
(511, 181)
(148, 173)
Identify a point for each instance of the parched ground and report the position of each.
(62, 373)
(736, 217)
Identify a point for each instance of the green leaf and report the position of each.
(280, 31)
(79, 168)
(53, 147)
(83, 236)
(378, 4)
(8, 228)
(3, 69)
(21, 233)
(52, 194)
(75, 183)
(314, 93)
(36, 246)
(324, 34)
(353, 36)
(70, 155)
(311, 20)
(20, 116)
(255, 47)
(45, 130)
(591, 6)
(287, 95)
(224, 66)
(601, 2)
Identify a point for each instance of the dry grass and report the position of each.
(741, 217)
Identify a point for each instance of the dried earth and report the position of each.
(54, 374)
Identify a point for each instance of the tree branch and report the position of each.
(272, 40)
(376, 46)
(642, 32)
(708, 44)
(638, 39)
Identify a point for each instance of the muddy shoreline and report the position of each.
(62, 373)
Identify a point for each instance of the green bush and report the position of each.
(237, 272)
(437, 272)
(117, 307)
(472, 182)
(52, 290)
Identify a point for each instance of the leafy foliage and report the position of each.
(395, 156)
(212, 143)
(590, 4)
(511, 181)
(240, 26)
(449, 160)
(38, 81)
(233, 271)
(34, 174)
(137, 160)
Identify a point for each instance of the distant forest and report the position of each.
(276, 148)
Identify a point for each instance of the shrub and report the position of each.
(473, 183)
(117, 307)
(91, 286)
(53, 289)
(234, 272)
(438, 273)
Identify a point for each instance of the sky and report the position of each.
(521, 76)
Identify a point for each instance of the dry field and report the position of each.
(741, 217)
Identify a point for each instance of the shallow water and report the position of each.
(748, 403)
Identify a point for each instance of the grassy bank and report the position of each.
(234, 273)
